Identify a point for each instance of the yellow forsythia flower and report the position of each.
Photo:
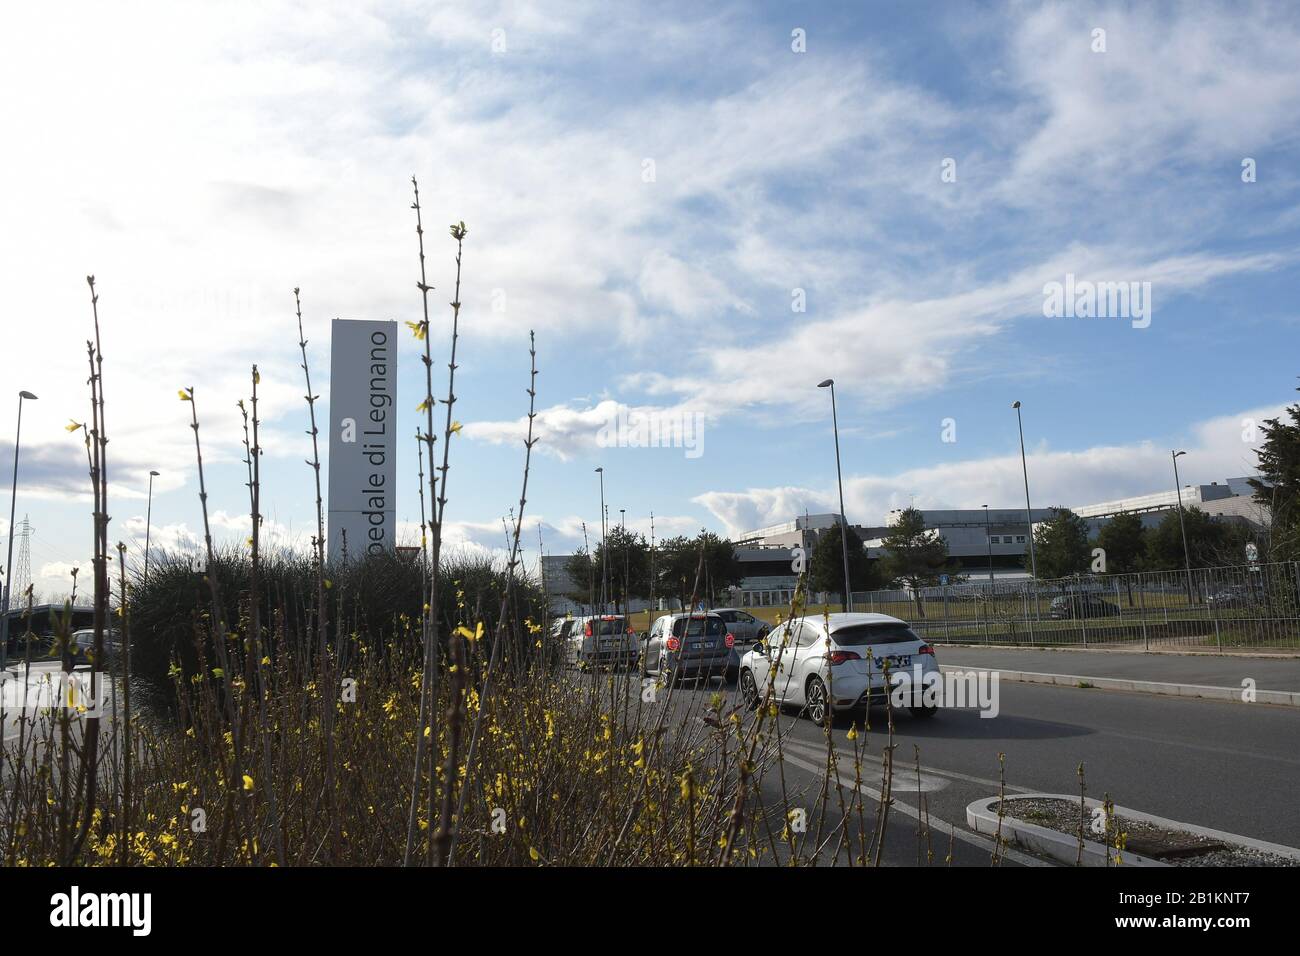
(248, 782)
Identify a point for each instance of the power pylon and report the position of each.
(23, 566)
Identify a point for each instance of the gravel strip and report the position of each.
(1064, 817)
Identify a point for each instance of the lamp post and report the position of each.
(9, 561)
(1187, 557)
(604, 549)
(627, 605)
(1033, 561)
(844, 525)
(148, 522)
(988, 539)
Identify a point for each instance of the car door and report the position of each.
(786, 660)
(651, 649)
(761, 664)
(804, 660)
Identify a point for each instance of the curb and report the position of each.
(1284, 698)
(1092, 649)
(1064, 847)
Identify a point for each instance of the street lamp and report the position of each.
(844, 525)
(1033, 561)
(148, 521)
(627, 607)
(604, 549)
(988, 539)
(9, 561)
(1187, 558)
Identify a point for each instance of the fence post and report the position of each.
(1142, 604)
(1028, 617)
(1209, 608)
(945, 613)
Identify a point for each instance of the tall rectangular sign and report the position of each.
(363, 438)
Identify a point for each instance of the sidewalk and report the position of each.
(1203, 670)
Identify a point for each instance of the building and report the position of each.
(1233, 501)
(978, 539)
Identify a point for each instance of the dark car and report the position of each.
(1069, 606)
(1233, 596)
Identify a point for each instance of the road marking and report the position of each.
(904, 777)
(935, 823)
(910, 769)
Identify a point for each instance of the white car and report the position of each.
(831, 664)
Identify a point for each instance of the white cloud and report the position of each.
(1216, 451)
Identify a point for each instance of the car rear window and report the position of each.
(616, 626)
(700, 627)
(870, 635)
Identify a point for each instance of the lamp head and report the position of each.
(829, 381)
(601, 470)
(1178, 453)
(27, 395)
(153, 474)
(1015, 404)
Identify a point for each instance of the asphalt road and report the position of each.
(1229, 670)
(1231, 766)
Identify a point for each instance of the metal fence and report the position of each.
(1225, 609)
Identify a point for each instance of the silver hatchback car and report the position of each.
(601, 640)
(685, 645)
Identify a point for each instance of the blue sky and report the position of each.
(203, 163)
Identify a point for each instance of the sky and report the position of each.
(701, 210)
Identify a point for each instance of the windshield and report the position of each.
(871, 635)
(700, 627)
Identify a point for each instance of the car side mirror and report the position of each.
(760, 647)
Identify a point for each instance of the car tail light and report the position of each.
(927, 649)
(586, 631)
(730, 639)
(839, 657)
(674, 644)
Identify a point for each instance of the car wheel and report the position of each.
(818, 706)
(924, 710)
(748, 690)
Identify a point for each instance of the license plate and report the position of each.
(895, 661)
(707, 645)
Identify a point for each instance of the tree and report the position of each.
(581, 571)
(826, 570)
(1278, 484)
(629, 565)
(1123, 541)
(1210, 542)
(915, 556)
(699, 567)
(1123, 538)
(1061, 545)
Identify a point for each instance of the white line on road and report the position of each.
(942, 826)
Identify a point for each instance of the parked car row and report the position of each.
(823, 665)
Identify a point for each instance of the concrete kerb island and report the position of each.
(982, 817)
(1283, 698)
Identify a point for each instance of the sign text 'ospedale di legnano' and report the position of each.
(363, 438)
